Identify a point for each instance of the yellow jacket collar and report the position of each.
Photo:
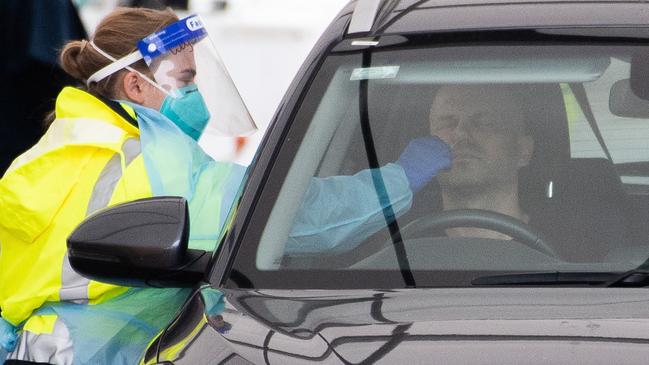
(76, 103)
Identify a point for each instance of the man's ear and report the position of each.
(133, 87)
(526, 148)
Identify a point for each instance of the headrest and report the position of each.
(548, 125)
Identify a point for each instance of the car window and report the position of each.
(625, 137)
(448, 163)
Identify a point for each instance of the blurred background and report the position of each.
(261, 42)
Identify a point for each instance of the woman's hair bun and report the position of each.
(72, 60)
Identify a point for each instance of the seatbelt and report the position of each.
(579, 92)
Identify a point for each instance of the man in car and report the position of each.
(485, 127)
(478, 140)
(488, 130)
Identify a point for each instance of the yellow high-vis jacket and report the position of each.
(88, 159)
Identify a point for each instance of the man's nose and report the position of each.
(460, 131)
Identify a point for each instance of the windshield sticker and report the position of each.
(373, 73)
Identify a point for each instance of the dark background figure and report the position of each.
(175, 4)
(33, 32)
(156, 4)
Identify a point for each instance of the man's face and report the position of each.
(484, 125)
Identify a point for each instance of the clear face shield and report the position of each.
(200, 95)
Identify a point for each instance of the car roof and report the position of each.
(405, 16)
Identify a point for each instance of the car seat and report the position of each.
(577, 204)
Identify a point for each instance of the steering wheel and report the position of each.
(514, 228)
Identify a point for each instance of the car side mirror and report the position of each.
(139, 243)
(624, 102)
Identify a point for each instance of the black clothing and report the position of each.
(33, 32)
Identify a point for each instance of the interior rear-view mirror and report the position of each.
(624, 102)
(639, 74)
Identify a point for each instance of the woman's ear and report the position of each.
(133, 87)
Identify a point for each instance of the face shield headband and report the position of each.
(117, 65)
(156, 45)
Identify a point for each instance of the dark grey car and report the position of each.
(325, 260)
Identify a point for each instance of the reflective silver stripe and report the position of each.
(71, 131)
(110, 175)
(131, 149)
(74, 287)
(51, 348)
(105, 185)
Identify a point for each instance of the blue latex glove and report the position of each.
(423, 159)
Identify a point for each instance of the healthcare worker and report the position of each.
(154, 85)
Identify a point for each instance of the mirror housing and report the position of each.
(139, 243)
(638, 74)
(624, 102)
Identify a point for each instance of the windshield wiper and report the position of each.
(638, 277)
(634, 278)
(548, 278)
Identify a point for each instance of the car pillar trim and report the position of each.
(363, 16)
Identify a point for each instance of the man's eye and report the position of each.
(485, 123)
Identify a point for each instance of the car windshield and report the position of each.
(441, 164)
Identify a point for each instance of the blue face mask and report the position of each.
(188, 111)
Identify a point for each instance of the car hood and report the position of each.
(453, 325)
